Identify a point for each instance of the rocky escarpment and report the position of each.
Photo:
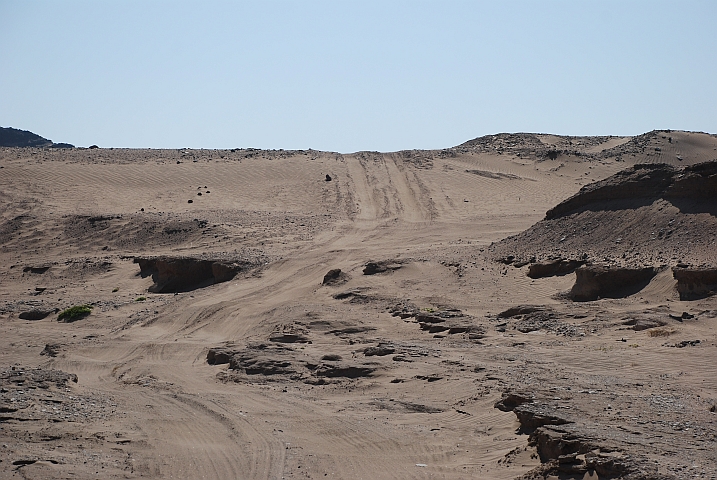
(644, 183)
(649, 214)
(695, 283)
(278, 362)
(180, 274)
(555, 267)
(605, 281)
(570, 448)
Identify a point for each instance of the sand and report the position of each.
(356, 378)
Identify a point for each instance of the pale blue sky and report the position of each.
(347, 76)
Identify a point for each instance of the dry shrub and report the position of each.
(661, 331)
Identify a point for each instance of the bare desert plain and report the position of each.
(518, 306)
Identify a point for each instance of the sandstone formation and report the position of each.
(695, 283)
(604, 281)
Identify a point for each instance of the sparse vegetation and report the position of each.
(140, 299)
(74, 313)
(661, 332)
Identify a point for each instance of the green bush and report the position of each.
(140, 299)
(74, 313)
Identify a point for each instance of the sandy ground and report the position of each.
(147, 403)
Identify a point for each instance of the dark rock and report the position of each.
(401, 358)
(331, 358)
(344, 295)
(220, 355)
(553, 443)
(521, 310)
(418, 407)
(597, 281)
(328, 177)
(551, 268)
(532, 416)
(350, 330)
(190, 200)
(535, 321)
(643, 323)
(37, 378)
(695, 283)
(262, 362)
(687, 343)
(39, 270)
(347, 371)
(92, 147)
(510, 400)
(334, 277)
(37, 314)
(51, 349)
(282, 337)
(380, 350)
(507, 260)
(372, 268)
(181, 274)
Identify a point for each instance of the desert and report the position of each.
(519, 306)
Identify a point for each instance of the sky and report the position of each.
(352, 75)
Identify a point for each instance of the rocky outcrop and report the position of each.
(449, 321)
(601, 281)
(521, 310)
(220, 355)
(552, 268)
(510, 400)
(278, 362)
(644, 181)
(646, 214)
(380, 350)
(372, 268)
(695, 283)
(567, 447)
(181, 274)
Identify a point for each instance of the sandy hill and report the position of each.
(301, 314)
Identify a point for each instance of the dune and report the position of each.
(368, 315)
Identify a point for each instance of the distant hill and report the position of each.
(13, 137)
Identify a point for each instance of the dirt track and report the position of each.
(152, 406)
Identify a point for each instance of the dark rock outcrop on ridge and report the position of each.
(13, 137)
